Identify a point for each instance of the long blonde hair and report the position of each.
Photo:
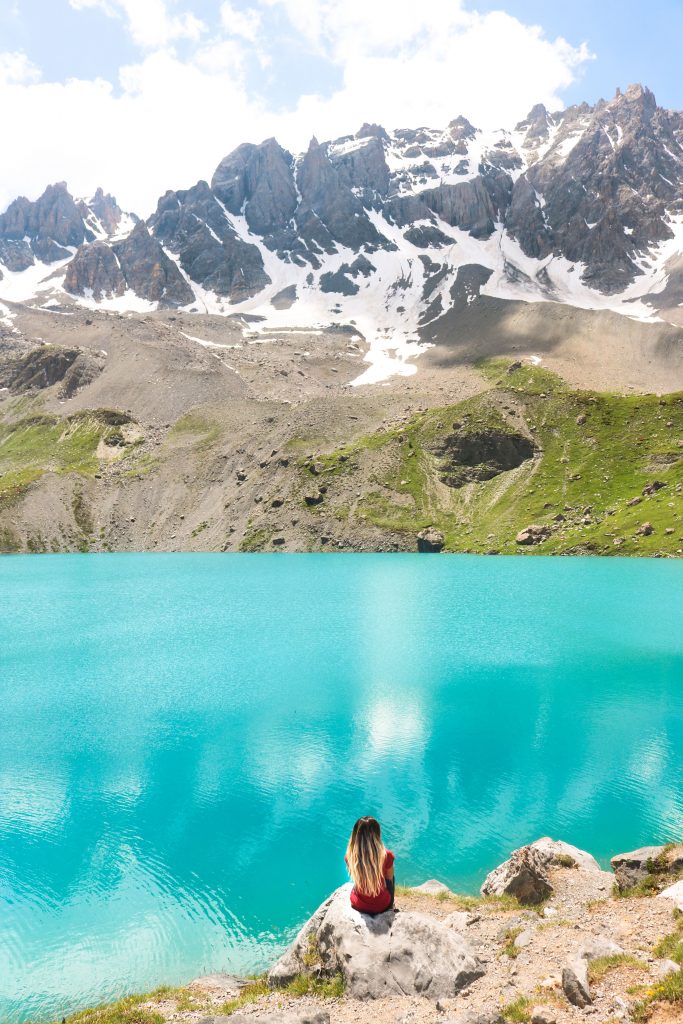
(365, 857)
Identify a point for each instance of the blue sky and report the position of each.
(144, 95)
(634, 41)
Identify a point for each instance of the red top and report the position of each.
(374, 904)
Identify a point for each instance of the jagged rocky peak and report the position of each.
(106, 211)
(49, 228)
(258, 181)
(372, 131)
(461, 130)
(608, 184)
(361, 163)
(330, 212)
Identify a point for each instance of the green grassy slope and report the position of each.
(584, 470)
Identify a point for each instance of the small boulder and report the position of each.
(580, 420)
(433, 888)
(646, 530)
(533, 534)
(218, 986)
(430, 541)
(523, 876)
(524, 939)
(675, 893)
(575, 982)
(543, 1015)
(665, 968)
(597, 947)
(634, 501)
(314, 498)
(652, 488)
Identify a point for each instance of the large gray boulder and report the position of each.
(523, 876)
(556, 852)
(631, 868)
(391, 954)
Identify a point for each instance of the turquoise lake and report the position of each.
(186, 740)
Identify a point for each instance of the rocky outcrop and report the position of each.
(675, 894)
(48, 365)
(533, 534)
(193, 225)
(149, 272)
(659, 861)
(477, 455)
(258, 181)
(390, 954)
(95, 272)
(330, 212)
(430, 541)
(523, 876)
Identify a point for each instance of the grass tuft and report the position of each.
(600, 967)
(519, 1011)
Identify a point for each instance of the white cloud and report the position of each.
(17, 69)
(172, 119)
(245, 24)
(148, 21)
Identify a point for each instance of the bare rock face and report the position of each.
(631, 868)
(95, 271)
(149, 272)
(604, 184)
(258, 180)
(329, 204)
(390, 954)
(49, 365)
(466, 205)
(193, 225)
(468, 456)
(523, 876)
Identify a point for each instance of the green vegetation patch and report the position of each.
(600, 967)
(131, 1010)
(671, 946)
(198, 428)
(519, 1011)
(530, 450)
(39, 444)
(509, 947)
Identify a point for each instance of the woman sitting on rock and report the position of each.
(371, 867)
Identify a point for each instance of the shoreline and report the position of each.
(553, 938)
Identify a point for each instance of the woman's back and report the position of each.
(371, 867)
